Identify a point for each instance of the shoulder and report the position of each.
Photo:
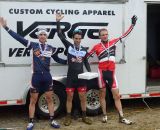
(84, 48)
(51, 47)
(97, 45)
(33, 43)
(70, 46)
(114, 40)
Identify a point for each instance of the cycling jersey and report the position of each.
(105, 52)
(42, 53)
(41, 78)
(76, 57)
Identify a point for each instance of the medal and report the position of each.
(42, 51)
(77, 51)
(106, 49)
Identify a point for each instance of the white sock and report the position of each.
(121, 113)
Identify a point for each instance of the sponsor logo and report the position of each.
(87, 29)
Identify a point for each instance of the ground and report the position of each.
(145, 118)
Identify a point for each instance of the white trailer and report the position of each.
(89, 16)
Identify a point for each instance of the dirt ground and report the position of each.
(145, 118)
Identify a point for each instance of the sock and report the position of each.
(31, 120)
(121, 113)
(83, 113)
(51, 118)
(104, 114)
(68, 114)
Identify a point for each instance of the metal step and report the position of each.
(153, 88)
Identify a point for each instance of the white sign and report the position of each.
(26, 17)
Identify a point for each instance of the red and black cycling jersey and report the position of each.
(106, 52)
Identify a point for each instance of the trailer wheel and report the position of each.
(58, 100)
(93, 103)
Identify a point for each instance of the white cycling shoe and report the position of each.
(104, 119)
(125, 121)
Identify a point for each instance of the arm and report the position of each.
(16, 36)
(86, 63)
(56, 58)
(59, 31)
(91, 53)
(133, 22)
(59, 60)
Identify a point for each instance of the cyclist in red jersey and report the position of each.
(105, 51)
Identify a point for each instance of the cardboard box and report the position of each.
(88, 75)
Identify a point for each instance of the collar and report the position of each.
(77, 46)
(42, 43)
(104, 42)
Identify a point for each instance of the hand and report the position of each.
(3, 22)
(134, 19)
(59, 17)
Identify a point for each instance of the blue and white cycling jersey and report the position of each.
(42, 53)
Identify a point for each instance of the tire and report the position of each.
(58, 99)
(93, 103)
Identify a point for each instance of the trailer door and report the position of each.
(153, 46)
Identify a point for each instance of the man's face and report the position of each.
(104, 35)
(77, 39)
(42, 37)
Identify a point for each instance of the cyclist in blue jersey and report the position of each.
(41, 78)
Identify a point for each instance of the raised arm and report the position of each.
(133, 22)
(16, 36)
(59, 31)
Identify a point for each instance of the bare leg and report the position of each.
(33, 100)
(49, 99)
(117, 101)
(102, 95)
(68, 120)
(69, 101)
(82, 96)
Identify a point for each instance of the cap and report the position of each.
(42, 30)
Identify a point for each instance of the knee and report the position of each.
(116, 97)
(49, 99)
(33, 101)
(69, 97)
(102, 94)
(82, 98)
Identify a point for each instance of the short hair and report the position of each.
(102, 29)
(77, 31)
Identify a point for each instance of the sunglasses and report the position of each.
(77, 31)
(42, 29)
(43, 34)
